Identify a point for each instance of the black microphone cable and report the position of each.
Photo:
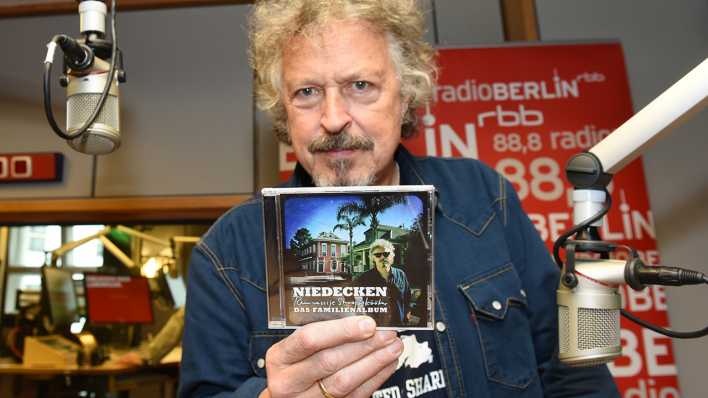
(666, 332)
(46, 87)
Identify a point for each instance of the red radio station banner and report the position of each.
(525, 110)
(30, 167)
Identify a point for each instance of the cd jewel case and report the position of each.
(344, 251)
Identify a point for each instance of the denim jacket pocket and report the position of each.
(258, 345)
(498, 306)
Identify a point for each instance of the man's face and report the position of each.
(383, 259)
(342, 99)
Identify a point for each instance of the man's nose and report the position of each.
(336, 117)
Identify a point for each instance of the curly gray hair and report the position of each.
(274, 22)
(384, 244)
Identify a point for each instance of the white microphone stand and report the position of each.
(590, 173)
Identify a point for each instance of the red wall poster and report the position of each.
(524, 110)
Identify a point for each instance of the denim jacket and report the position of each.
(495, 282)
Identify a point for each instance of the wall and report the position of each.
(186, 109)
(662, 41)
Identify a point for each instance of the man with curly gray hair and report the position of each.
(344, 112)
(342, 80)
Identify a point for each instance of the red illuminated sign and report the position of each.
(30, 167)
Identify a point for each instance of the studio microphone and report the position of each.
(92, 94)
(589, 313)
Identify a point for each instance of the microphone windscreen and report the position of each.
(83, 95)
(588, 327)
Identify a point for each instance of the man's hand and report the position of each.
(131, 358)
(348, 355)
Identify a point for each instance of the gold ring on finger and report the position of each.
(324, 391)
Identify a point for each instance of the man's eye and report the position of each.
(361, 85)
(306, 92)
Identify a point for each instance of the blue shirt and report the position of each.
(495, 305)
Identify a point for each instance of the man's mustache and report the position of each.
(340, 142)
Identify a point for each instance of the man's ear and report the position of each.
(281, 132)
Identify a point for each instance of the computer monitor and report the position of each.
(58, 287)
(117, 299)
(178, 291)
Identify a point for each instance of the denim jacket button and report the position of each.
(260, 363)
(497, 305)
(440, 327)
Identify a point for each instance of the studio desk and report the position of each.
(107, 380)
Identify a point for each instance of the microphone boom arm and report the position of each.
(672, 107)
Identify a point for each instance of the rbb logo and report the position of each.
(15, 167)
(512, 118)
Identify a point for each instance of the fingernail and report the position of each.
(395, 348)
(389, 337)
(367, 325)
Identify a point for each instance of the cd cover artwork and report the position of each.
(345, 251)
